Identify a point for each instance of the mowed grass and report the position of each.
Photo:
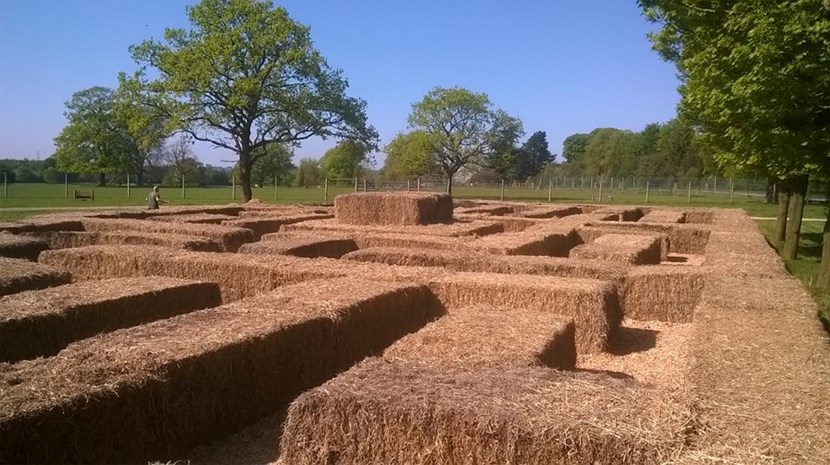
(30, 199)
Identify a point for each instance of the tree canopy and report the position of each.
(464, 127)
(411, 155)
(344, 160)
(245, 76)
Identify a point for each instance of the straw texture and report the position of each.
(18, 275)
(13, 246)
(626, 248)
(393, 208)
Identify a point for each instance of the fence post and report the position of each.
(233, 187)
(550, 189)
(715, 189)
(689, 194)
(128, 185)
(183, 193)
(275, 188)
(731, 189)
(65, 184)
(364, 185)
(611, 185)
(355, 184)
(647, 191)
(6, 186)
(326, 190)
(419, 184)
(407, 185)
(600, 190)
(502, 189)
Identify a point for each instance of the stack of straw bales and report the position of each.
(14, 246)
(42, 322)
(663, 293)
(422, 413)
(486, 336)
(456, 229)
(393, 208)
(374, 239)
(197, 218)
(231, 237)
(620, 213)
(529, 242)
(589, 234)
(664, 216)
(18, 275)
(307, 247)
(683, 238)
(155, 390)
(265, 225)
(625, 248)
(68, 239)
(558, 211)
(592, 304)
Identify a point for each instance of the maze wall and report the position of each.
(512, 333)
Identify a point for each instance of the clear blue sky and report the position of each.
(561, 66)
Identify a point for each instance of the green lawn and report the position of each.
(24, 200)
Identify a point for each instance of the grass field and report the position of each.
(22, 200)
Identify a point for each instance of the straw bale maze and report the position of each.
(403, 328)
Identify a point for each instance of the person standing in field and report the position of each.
(154, 199)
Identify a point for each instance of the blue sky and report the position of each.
(562, 66)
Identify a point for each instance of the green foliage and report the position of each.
(464, 128)
(308, 173)
(533, 156)
(246, 76)
(344, 160)
(573, 148)
(411, 155)
(275, 162)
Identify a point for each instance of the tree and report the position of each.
(462, 125)
(754, 79)
(502, 139)
(181, 161)
(275, 162)
(246, 76)
(343, 160)
(532, 157)
(606, 151)
(573, 147)
(411, 155)
(308, 173)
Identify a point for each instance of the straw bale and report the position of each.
(155, 390)
(529, 242)
(173, 211)
(43, 223)
(557, 211)
(683, 238)
(454, 229)
(508, 223)
(663, 293)
(589, 234)
(742, 253)
(664, 216)
(238, 275)
(591, 303)
(627, 248)
(495, 210)
(651, 352)
(487, 335)
(421, 413)
(761, 372)
(369, 240)
(489, 263)
(197, 218)
(14, 246)
(68, 239)
(41, 323)
(700, 216)
(621, 213)
(17, 275)
(307, 247)
(231, 237)
(265, 225)
(393, 208)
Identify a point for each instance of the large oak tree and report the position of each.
(245, 76)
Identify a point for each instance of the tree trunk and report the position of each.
(449, 183)
(102, 179)
(824, 270)
(784, 194)
(245, 176)
(769, 194)
(795, 213)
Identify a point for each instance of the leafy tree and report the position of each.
(182, 161)
(463, 126)
(343, 160)
(308, 173)
(502, 138)
(411, 155)
(606, 151)
(755, 81)
(276, 162)
(533, 156)
(246, 76)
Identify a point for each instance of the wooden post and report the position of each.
(407, 185)
(646, 191)
(233, 186)
(355, 183)
(600, 190)
(611, 185)
(419, 184)
(183, 193)
(689, 194)
(5, 186)
(275, 188)
(502, 189)
(550, 189)
(326, 190)
(364, 185)
(731, 190)
(65, 184)
(128, 185)
(715, 190)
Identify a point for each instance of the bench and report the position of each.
(83, 195)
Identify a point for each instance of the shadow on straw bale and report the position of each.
(18, 275)
(230, 237)
(422, 413)
(40, 323)
(154, 391)
(301, 247)
(664, 216)
(626, 248)
(683, 238)
(69, 239)
(588, 234)
(13, 246)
